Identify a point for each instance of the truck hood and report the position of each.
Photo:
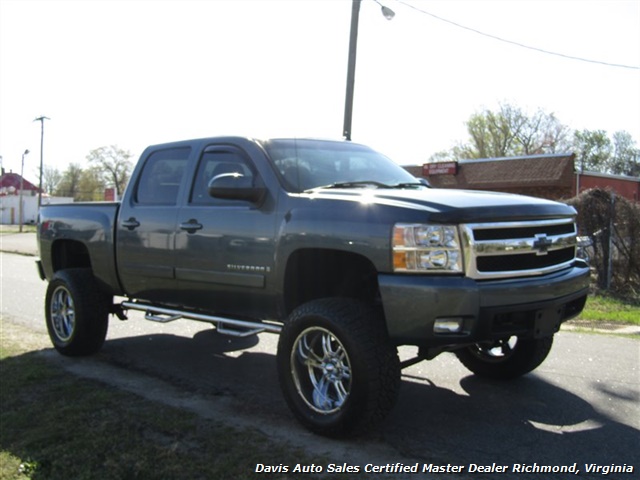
(455, 206)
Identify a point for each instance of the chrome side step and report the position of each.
(227, 326)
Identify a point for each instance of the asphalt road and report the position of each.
(581, 406)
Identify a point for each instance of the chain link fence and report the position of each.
(612, 225)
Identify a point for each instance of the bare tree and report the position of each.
(510, 131)
(113, 164)
(51, 177)
(542, 133)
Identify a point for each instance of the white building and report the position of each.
(10, 200)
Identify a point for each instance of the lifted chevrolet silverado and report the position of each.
(332, 246)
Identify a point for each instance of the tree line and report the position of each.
(107, 167)
(509, 131)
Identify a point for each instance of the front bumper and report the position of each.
(529, 307)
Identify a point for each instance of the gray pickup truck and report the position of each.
(332, 246)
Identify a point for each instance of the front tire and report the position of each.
(506, 358)
(338, 371)
(77, 312)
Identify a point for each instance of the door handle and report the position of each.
(131, 223)
(191, 226)
(237, 243)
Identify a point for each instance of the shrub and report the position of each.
(613, 225)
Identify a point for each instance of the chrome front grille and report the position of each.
(518, 249)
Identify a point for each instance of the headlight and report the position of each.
(424, 248)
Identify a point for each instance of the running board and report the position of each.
(227, 326)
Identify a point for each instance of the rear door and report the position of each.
(225, 248)
(146, 227)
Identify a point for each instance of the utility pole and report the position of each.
(20, 207)
(41, 119)
(351, 64)
(351, 69)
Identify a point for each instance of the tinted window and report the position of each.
(161, 177)
(212, 164)
(306, 164)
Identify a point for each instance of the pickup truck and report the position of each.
(329, 244)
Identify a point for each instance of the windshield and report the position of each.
(307, 164)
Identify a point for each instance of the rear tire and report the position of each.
(77, 312)
(338, 371)
(505, 358)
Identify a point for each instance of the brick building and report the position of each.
(545, 176)
(627, 187)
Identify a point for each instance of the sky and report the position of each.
(132, 73)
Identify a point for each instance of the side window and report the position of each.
(161, 177)
(212, 164)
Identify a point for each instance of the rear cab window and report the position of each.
(161, 177)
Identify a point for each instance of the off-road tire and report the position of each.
(77, 312)
(500, 360)
(338, 371)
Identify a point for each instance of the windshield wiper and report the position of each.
(358, 184)
(408, 185)
(366, 183)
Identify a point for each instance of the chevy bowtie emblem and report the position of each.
(542, 244)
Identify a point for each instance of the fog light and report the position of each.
(448, 325)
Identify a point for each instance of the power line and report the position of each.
(518, 44)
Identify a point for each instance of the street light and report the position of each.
(41, 119)
(386, 11)
(20, 214)
(351, 66)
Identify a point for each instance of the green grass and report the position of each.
(11, 229)
(58, 426)
(607, 309)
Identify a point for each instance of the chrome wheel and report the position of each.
(77, 312)
(63, 314)
(321, 370)
(338, 370)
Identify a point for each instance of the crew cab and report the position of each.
(330, 245)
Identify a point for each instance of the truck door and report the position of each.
(225, 248)
(145, 239)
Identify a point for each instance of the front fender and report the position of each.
(333, 225)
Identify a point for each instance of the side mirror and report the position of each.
(235, 186)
